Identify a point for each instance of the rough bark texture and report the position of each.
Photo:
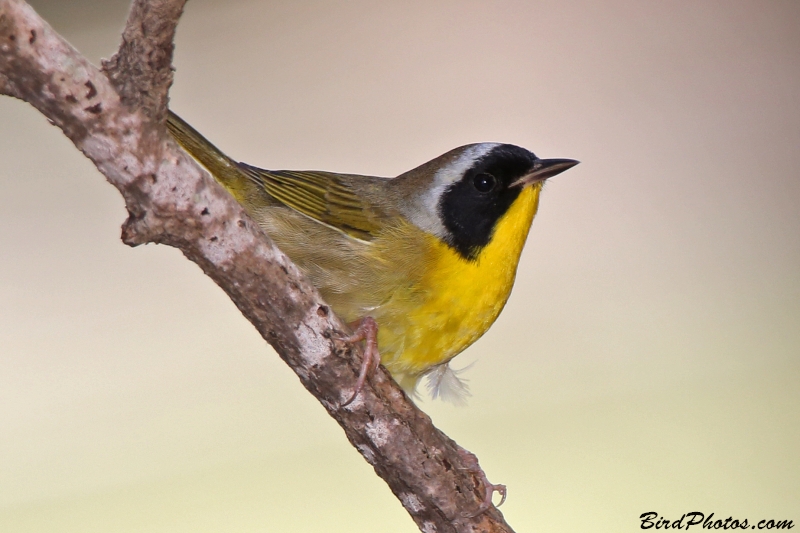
(115, 117)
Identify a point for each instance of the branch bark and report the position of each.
(115, 116)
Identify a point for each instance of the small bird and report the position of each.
(422, 263)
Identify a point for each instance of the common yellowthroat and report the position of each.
(429, 256)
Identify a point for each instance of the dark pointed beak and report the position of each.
(544, 169)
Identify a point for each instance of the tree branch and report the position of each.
(116, 118)
(141, 71)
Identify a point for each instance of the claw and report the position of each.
(367, 331)
(489, 488)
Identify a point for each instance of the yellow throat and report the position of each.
(463, 298)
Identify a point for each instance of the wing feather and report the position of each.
(326, 197)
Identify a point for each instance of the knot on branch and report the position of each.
(135, 230)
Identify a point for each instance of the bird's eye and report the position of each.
(484, 182)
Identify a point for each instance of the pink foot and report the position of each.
(367, 331)
(489, 489)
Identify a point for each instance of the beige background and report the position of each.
(648, 359)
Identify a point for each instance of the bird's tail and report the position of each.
(224, 169)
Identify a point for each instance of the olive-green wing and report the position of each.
(324, 196)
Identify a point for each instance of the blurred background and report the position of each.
(649, 356)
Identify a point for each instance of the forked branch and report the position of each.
(115, 116)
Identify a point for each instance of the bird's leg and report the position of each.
(366, 330)
(473, 467)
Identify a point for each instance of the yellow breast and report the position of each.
(461, 298)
